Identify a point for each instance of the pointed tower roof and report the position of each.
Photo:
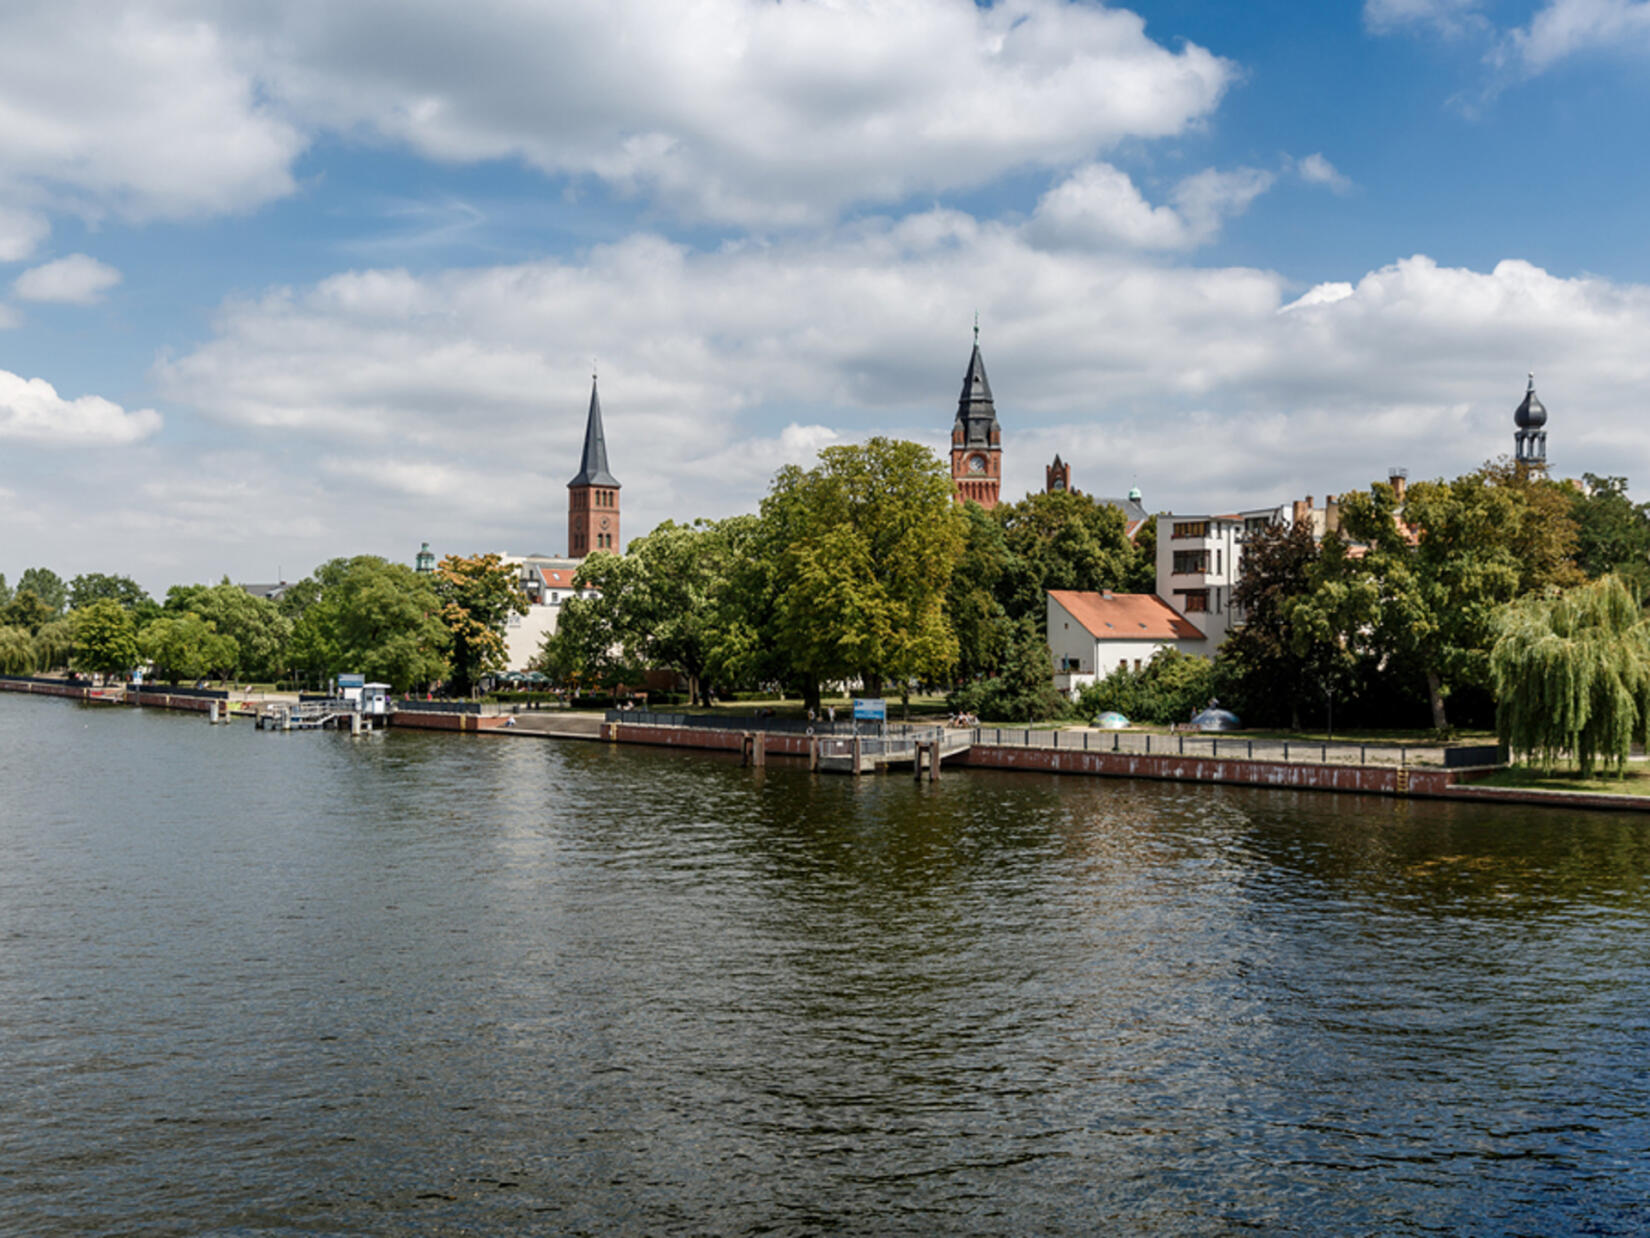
(593, 465)
(976, 411)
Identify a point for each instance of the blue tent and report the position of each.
(1111, 720)
(1216, 720)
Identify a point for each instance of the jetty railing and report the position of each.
(1230, 747)
(761, 722)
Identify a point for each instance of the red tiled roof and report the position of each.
(1125, 616)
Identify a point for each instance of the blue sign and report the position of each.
(870, 709)
(352, 681)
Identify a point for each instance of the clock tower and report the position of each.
(593, 496)
(976, 441)
(1057, 476)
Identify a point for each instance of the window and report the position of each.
(1186, 561)
(1196, 599)
(1191, 528)
(1217, 561)
(1254, 524)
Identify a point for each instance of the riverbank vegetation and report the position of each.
(1421, 610)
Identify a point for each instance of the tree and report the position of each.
(973, 600)
(46, 585)
(1419, 591)
(255, 624)
(1024, 691)
(1062, 540)
(185, 647)
(661, 602)
(1612, 532)
(862, 548)
(105, 638)
(372, 617)
(1275, 662)
(17, 655)
(1142, 577)
(478, 595)
(1572, 676)
(27, 611)
(91, 587)
(5, 591)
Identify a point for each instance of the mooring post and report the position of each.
(355, 723)
(934, 761)
(814, 745)
(212, 713)
(857, 746)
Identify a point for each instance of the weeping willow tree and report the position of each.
(1572, 676)
(16, 651)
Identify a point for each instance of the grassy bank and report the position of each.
(1636, 780)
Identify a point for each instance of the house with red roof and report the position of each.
(1091, 634)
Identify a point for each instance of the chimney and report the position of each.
(1331, 514)
(1399, 479)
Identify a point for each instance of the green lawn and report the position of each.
(1636, 781)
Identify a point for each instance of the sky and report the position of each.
(285, 282)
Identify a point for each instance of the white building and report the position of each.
(1090, 635)
(548, 583)
(1199, 560)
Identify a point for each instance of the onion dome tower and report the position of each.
(424, 564)
(976, 440)
(593, 496)
(1530, 440)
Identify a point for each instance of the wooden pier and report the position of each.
(923, 750)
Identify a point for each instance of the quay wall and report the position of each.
(430, 720)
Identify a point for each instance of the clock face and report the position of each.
(976, 464)
(604, 522)
(1058, 484)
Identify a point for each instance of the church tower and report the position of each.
(976, 441)
(593, 496)
(1057, 476)
(1530, 440)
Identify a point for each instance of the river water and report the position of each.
(258, 983)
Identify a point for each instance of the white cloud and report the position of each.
(75, 280)
(1098, 206)
(9, 317)
(1449, 17)
(1316, 170)
(33, 412)
(751, 111)
(460, 396)
(21, 233)
(140, 109)
(1323, 294)
(1565, 28)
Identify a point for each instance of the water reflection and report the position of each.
(425, 983)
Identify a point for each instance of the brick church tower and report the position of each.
(976, 442)
(593, 496)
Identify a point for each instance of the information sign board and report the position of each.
(870, 709)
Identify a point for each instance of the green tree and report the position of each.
(1420, 592)
(1612, 532)
(185, 647)
(1572, 676)
(661, 602)
(863, 547)
(27, 611)
(5, 591)
(1274, 666)
(1062, 540)
(256, 625)
(105, 638)
(1024, 691)
(974, 602)
(371, 617)
(478, 595)
(46, 585)
(17, 654)
(1142, 577)
(91, 587)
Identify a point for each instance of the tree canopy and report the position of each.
(1572, 675)
(478, 595)
(372, 617)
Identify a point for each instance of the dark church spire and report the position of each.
(976, 411)
(593, 469)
